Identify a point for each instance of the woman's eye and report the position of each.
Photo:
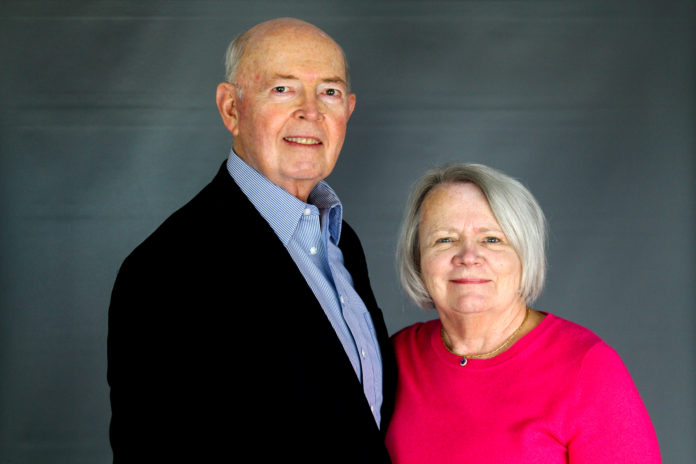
(491, 240)
(444, 240)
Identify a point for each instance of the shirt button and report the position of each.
(372, 408)
(363, 353)
(307, 212)
(313, 250)
(343, 300)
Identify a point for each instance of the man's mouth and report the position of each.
(302, 140)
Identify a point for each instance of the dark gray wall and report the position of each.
(108, 124)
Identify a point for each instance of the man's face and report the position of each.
(294, 106)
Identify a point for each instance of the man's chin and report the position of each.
(307, 171)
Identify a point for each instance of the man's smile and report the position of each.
(302, 140)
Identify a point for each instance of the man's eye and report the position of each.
(280, 89)
(333, 92)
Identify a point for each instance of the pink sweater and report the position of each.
(558, 395)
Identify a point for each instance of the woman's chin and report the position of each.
(468, 306)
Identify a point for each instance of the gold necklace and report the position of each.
(490, 354)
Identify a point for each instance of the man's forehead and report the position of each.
(284, 59)
(308, 45)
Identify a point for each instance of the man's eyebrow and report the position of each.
(328, 80)
(334, 80)
(288, 77)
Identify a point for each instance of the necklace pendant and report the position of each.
(463, 362)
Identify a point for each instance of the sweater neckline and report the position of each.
(515, 350)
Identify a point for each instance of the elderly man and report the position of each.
(245, 327)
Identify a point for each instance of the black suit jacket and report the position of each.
(218, 348)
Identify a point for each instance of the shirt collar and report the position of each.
(279, 208)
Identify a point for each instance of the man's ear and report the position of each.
(351, 104)
(227, 103)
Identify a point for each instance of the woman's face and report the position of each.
(467, 264)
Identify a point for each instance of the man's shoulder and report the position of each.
(349, 237)
(201, 222)
(350, 246)
(347, 231)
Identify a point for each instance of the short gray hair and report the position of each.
(234, 54)
(514, 207)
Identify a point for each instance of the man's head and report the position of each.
(287, 102)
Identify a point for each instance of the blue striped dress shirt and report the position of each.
(310, 232)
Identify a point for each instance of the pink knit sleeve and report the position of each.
(609, 423)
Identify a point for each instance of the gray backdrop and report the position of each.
(108, 124)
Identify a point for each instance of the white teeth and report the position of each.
(302, 140)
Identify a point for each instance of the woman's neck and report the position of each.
(487, 334)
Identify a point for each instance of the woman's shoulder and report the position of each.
(570, 330)
(416, 331)
(573, 339)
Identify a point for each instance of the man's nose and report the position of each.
(309, 108)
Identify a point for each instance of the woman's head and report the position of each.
(514, 208)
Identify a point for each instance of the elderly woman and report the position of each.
(494, 381)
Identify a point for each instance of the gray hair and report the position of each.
(234, 54)
(514, 207)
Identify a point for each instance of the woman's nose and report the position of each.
(467, 254)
